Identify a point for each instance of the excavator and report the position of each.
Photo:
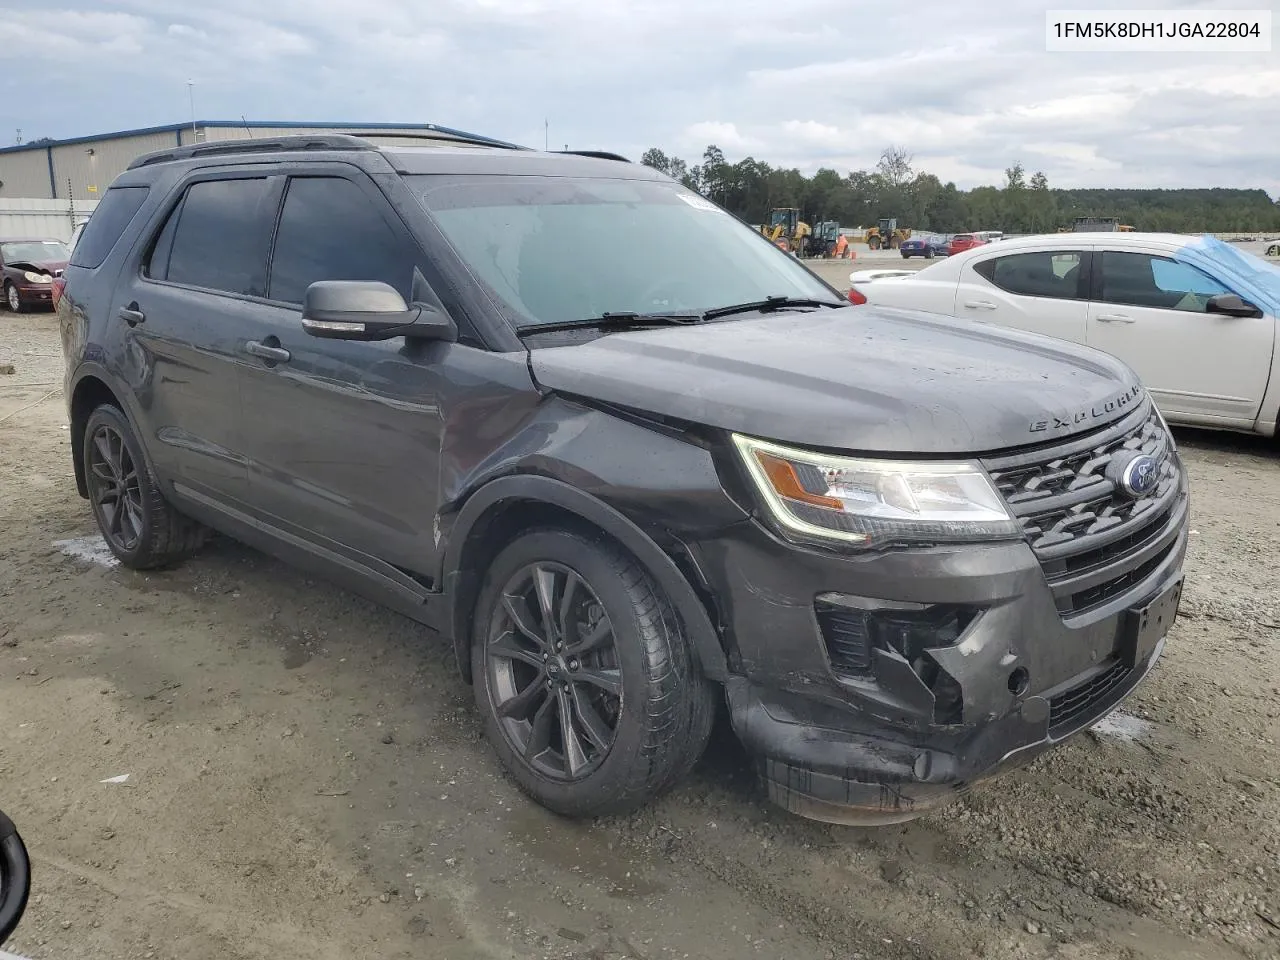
(886, 235)
(786, 229)
(1097, 225)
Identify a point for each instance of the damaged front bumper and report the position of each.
(875, 689)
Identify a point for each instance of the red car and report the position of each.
(963, 241)
(29, 268)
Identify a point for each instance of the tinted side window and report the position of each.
(115, 211)
(157, 267)
(220, 242)
(330, 230)
(1054, 274)
(1141, 280)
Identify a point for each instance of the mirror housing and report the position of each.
(369, 310)
(1232, 305)
(15, 878)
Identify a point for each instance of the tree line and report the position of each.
(919, 200)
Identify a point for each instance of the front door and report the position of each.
(343, 438)
(1149, 311)
(182, 313)
(1042, 291)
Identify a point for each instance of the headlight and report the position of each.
(37, 277)
(869, 503)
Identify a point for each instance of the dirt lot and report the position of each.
(306, 776)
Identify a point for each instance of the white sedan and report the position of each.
(1193, 316)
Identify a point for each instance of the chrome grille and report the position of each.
(1094, 541)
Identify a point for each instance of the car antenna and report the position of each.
(246, 126)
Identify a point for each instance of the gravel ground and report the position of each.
(306, 776)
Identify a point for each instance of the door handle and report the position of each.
(132, 315)
(267, 352)
(979, 305)
(1113, 318)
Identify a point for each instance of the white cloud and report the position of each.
(967, 88)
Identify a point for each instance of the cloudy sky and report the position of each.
(965, 86)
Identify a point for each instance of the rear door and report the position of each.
(343, 437)
(1040, 291)
(185, 308)
(1149, 310)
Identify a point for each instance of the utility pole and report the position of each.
(191, 97)
(546, 136)
(19, 136)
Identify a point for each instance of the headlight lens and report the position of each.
(37, 277)
(870, 503)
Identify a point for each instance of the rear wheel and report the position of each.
(140, 527)
(583, 676)
(928, 253)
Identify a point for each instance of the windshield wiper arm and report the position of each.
(767, 305)
(613, 321)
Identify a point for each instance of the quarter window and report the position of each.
(1055, 274)
(330, 230)
(107, 222)
(1142, 280)
(216, 238)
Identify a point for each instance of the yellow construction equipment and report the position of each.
(786, 226)
(1097, 225)
(886, 236)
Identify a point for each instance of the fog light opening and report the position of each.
(1020, 682)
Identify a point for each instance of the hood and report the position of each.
(861, 379)
(52, 267)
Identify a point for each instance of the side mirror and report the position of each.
(15, 878)
(1232, 306)
(369, 310)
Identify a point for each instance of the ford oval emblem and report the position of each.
(1140, 476)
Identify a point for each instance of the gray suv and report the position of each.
(633, 462)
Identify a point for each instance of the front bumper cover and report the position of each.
(869, 750)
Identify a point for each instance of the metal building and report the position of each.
(80, 169)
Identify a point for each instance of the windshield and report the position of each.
(33, 251)
(560, 249)
(1237, 263)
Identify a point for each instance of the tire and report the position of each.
(928, 253)
(13, 299)
(146, 533)
(906, 256)
(630, 748)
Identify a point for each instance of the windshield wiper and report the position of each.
(620, 320)
(767, 305)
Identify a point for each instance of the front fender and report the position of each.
(460, 581)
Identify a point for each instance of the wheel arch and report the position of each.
(90, 391)
(502, 507)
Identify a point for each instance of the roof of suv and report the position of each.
(421, 153)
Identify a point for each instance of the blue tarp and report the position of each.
(1254, 278)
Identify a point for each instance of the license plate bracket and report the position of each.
(1145, 626)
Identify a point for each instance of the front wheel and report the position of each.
(928, 254)
(13, 298)
(584, 677)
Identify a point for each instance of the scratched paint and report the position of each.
(89, 549)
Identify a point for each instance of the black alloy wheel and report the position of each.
(141, 528)
(115, 488)
(553, 671)
(585, 679)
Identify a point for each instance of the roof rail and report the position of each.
(274, 145)
(598, 154)
(442, 135)
(321, 141)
